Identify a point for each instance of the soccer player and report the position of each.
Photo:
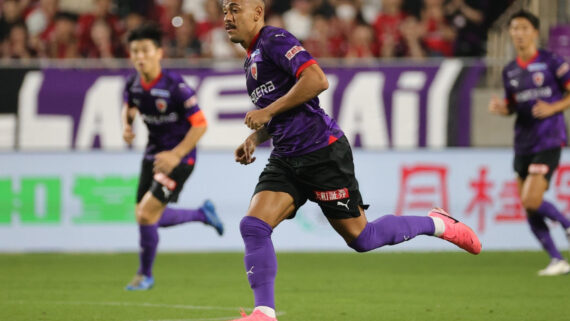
(311, 159)
(175, 124)
(535, 86)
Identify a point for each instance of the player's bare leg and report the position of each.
(531, 192)
(267, 209)
(364, 236)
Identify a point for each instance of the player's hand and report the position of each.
(498, 106)
(255, 119)
(244, 152)
(128, 134)
(542, 110)
(165, 162)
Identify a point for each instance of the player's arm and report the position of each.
(312, 81)
(166, 161)
(128, 115)
(543, 109)
(244, 152)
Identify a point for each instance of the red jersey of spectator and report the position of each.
(434, 40)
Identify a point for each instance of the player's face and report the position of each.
(240, 19)
(145, 55)
(522, 33)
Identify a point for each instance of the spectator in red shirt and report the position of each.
(62, 42)
(438, 34)
(100, 14)
(387, 28)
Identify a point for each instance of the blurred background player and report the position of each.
(311, 159)
(175, 123)
(536, 83)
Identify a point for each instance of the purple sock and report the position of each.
(390, 230)
(541, 232)
(148, 243)
(171, 216)
(546, 209)
(260, 260)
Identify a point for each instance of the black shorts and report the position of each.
(164, 188)
(325, 176)
(544, 162)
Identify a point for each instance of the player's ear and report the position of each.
(258, 13)
(160, 52)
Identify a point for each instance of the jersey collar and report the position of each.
(147, 86)
(523, 64)
(253, 42)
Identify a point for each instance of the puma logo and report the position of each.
(250, 270)
(166, 192)
(339, 203)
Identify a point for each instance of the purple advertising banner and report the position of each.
(378, 107)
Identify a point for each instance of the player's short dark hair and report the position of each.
(147, 31)
(534, 21)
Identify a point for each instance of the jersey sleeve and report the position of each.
(509, 95)
(187, 98)
(561, 70)
(288, 53)
(127, 97)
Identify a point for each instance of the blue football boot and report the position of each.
(140, 283)
(212, 218)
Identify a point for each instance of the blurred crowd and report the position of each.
(194, 28)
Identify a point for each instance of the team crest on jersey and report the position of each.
(538, 78)
(161, 105)
(253, 70)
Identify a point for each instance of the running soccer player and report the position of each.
(311, 159)
(536, 83)
(175, 123)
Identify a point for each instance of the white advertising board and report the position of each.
(84, 201)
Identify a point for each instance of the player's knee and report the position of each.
(531, 203)
(144, 216)
(253, 227)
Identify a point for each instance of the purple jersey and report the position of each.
(167, 105)
(274, 61)
(545, 78)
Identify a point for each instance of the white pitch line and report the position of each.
(152, 305)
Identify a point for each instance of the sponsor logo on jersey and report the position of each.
(262, 90)
(160, 119)
(335, 195)
(160, 93)
(253, 70)
(514, 72)
(533, 94)
(161, 105)
(541, 169)
(293, 52)
(538, 78)
(254, 55)
(537, 66)
(562, 70)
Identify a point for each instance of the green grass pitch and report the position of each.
(310, 287)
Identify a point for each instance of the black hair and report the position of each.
(534, 21)
(147, 31)
(66, 15)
